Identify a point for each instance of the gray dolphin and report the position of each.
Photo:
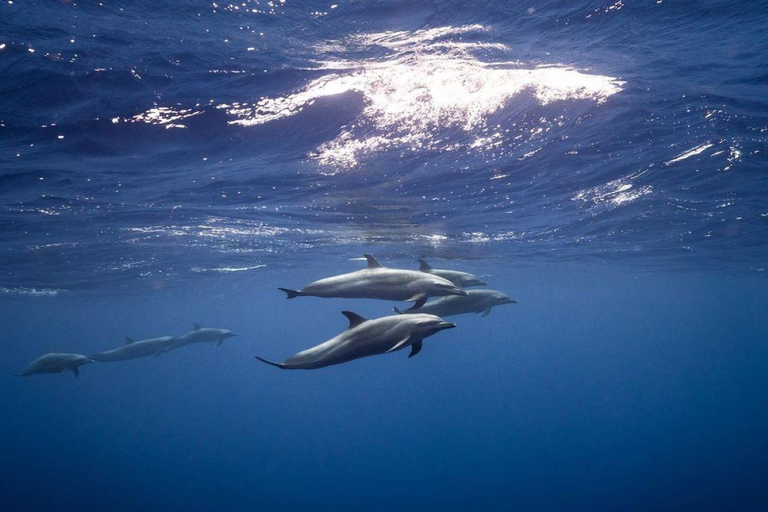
(135, 349)
(460, 279)
(56, 363)
(378, 282)
(367, 338)
(201, 335)
(475, 301)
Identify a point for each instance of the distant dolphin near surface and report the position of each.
(366, 338)
(378, 282)
(460, 279)
(201, 335)
(56, 363)
(135, 349)
(476, 301)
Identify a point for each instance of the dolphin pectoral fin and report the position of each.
(76, 371)
(486, 311)
(424, 266)
(419, 300)
(354, 319)
(415, 349)
(279, 365)
(219, 342)
(372, 263)
(400, 344)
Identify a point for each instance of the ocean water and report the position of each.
(602, 162)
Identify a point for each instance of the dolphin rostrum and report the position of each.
(475, 301)
(201, 335)
(135, 349)
(367, 338)
(460, 279)
(377, 282)
(56, 363)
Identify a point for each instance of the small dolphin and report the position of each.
(135, 349)
(201, 335)
(366, 338)
(460, 279)
(56, 363)
(377, 282)
(476, 301)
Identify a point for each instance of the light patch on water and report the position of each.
(431, 82)
(691, 152)
(163, 116)
(614, 193)
(30, 292)
(227, 269)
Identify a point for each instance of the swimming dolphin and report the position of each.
(56, 363)
(476, 301)
(135, 349)
(460, 279)
(366, 338)
(377, 282)
(201, 335)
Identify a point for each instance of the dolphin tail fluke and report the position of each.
(279, 365)
(292, 294)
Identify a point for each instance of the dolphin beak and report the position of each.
(445, 325)
(511, 301)
(458, 292)
(480, 283)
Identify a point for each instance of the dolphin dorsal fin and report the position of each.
(354, 319)
(424, 267)
(372, 263)
(196, 326)
(129, 340)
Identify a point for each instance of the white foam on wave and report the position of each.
(429, 82)
(691, 152)
(163, 116)
(30, 292)
(614, 193)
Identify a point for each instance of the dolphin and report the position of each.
(378, 282)
(200, 335)
(56, 363)
(475, 301)
(460, 279)
(135, 349)
(365, 338)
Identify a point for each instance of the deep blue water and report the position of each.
(602, 162)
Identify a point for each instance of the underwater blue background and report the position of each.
(604, 163)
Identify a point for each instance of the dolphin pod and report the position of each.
(132, 349)
(379, 282)
(364, 337)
